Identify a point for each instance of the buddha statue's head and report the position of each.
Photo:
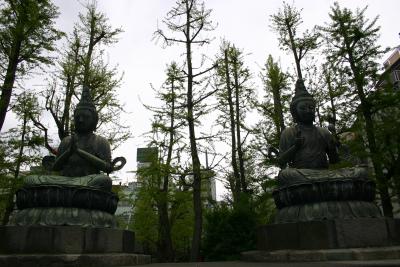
(85, 115)
(302, 106)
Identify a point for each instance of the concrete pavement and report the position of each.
(380, 263)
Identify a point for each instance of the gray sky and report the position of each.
(245, 23)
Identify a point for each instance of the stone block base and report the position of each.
(350, 254)
(64, 239)
(74, 260)
(329, 234)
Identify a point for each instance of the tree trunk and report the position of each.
(238, 138)
(69, 92)
(10, 201)
(278, 116)
(8, 84)
(9, 79)
(92, 43)
(382, 183)
(294, 50)
(237, 181)
(166, 249)
(64, 130)
(331, 97)
(197, 205)
(317, 109)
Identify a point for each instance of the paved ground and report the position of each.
(381, 263)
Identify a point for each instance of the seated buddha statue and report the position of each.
(83, 159)
(80, 192)
(306, 150)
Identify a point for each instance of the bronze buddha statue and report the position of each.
(80, 193)
(307, 189)
(308, 150)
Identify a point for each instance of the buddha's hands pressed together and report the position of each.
(73, 147)
(299, 140)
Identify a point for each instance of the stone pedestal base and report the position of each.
(330, 234)
(348, 254)
(74, 260)
(56, 246)
(64, 239)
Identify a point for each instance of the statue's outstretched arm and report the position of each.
(65, 154)
(287, 154)
(333, 154)
(61, 160)
(96, 161)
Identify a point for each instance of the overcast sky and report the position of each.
(245, 23)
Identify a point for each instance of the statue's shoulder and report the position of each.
(291, 130)
(323, 130)
(100, 140)
(65, 141)
(325, 133)
(287, 138)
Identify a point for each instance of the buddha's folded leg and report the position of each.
(32, 180)
(99, 181)
(354, 172)
(290, 176)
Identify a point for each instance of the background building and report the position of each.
(392, 70)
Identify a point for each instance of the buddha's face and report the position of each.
(85, 121)
(305, 110)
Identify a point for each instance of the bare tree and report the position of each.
(351, 39)
(286, 23)
(82, 64)
(235, 97)
(190, 19)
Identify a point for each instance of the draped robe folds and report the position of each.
(310, 162)
(77, 170)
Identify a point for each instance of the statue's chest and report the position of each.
(88, 144)
(313, 141)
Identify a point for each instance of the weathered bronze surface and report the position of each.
(80, 193)
(307, 189)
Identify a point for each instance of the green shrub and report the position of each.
(229, 231)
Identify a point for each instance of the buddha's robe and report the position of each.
(310, 161)
(77, 170)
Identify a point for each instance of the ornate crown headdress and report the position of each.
(300, 92)
(86, 101)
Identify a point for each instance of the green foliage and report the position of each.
(264, 148)
(240, 79)
(352, 40)
(263, 202)
(187, 23)
(19, 151)
(83, 62)
(235, 96)
(27, 35)
(229, 231)
(286, 24)
(27, 26)
(274, 108)
(147, 205)
(182, 223)
(145, 219)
